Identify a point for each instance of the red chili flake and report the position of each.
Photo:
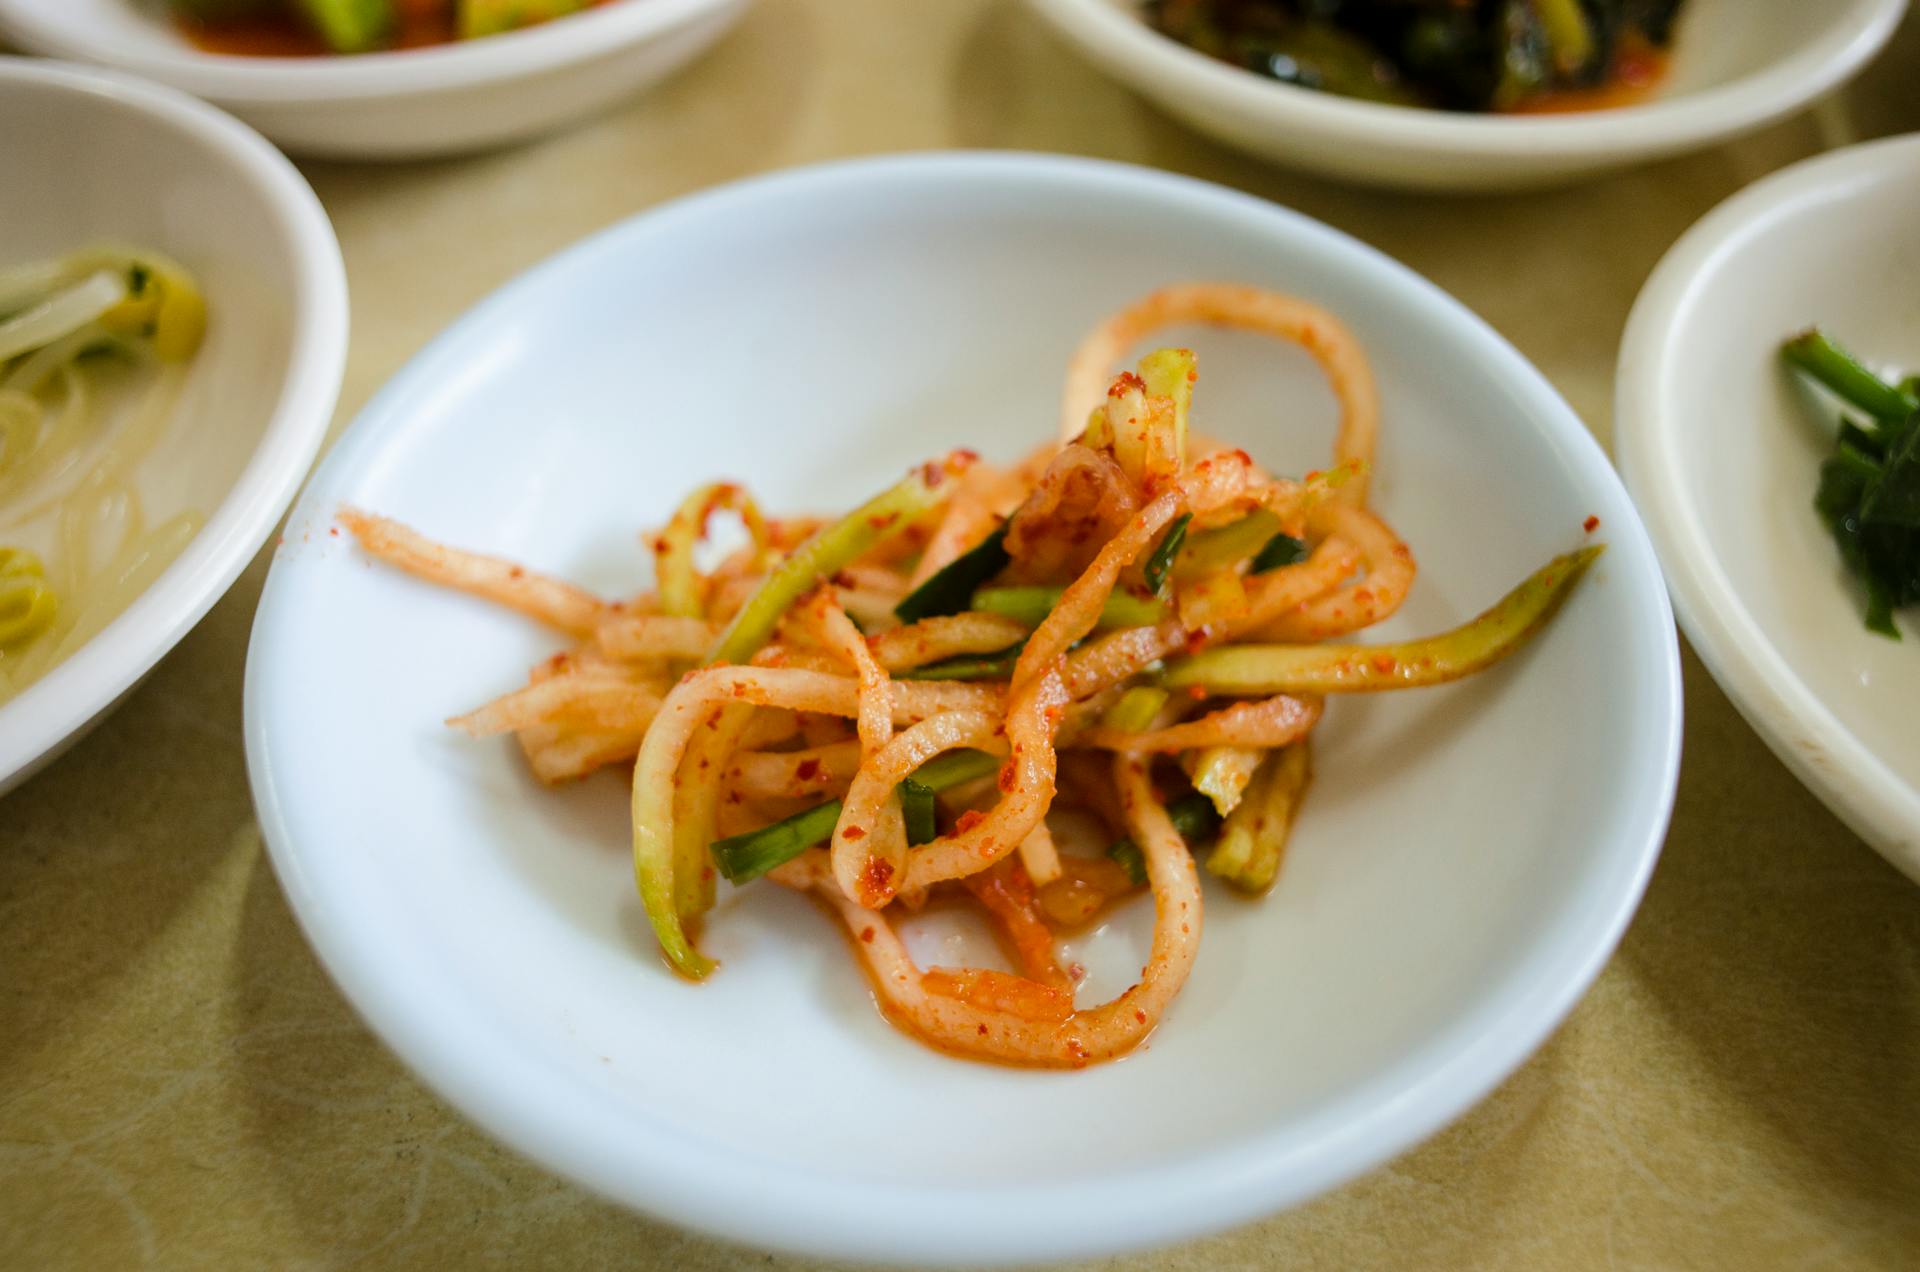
(335, 532)
(1314, 475)
(968, 820)
(1242, 456)
(856, 832)
(842, 579)
(933, 474)
(866, 934)
(1140, 1016)
(875, 877)
(807, 770)
(881, 520)
(983, 1031)
(1591, 524)
(740, 691)
(1007, 778)
(1196, 692)
(1076, 1049)
(660, 546)
(706, 873)
(1124, 383)
(1384, 664)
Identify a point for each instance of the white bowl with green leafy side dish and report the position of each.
(464, 95)
(96, 157)
(1736, 65)
(1722, 448)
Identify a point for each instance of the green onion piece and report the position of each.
(1031, 605)
(1160, 560)
(751, 855)
(1191, 815)
(1282, 549)
(1271, 669)
(1169, 373)
(1211, 550)
(1136, 709)
(1812, 352)
(1127, 855)
(350, 26)
(916, 803)
(867, 527)
(949, 590)
(967, 666)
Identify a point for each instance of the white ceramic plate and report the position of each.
(163, 170)
(440, 100)
(1722, 450)
(1737, 65)
(1467, 860)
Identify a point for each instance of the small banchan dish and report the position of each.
(1737, 65)
(1722, 450)
(259, 393)
(394, 105)
(1469, 860)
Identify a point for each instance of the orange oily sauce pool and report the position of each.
(1638, 70)
(968, 980)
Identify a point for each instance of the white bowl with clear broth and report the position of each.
(166, 172)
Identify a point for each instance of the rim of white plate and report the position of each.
(688, 1183)
(54, 708)
(44, 26)
(1871, 798)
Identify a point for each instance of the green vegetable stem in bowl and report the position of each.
(1869, 493)
(357, 26)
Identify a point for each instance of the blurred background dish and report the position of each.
(235, 435)
(1734, 65)
(1722, 449)
(391, 102)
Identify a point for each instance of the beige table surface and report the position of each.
(180, 1085)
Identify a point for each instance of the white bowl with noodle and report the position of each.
(1465, 863)
(163, 171)
(1736, 66)
(410, 103)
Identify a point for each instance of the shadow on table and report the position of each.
(1787, 954)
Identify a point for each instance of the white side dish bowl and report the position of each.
(1467, 859)
(441, 100)
(167, 172)
(1722, 450)
(1737, 65)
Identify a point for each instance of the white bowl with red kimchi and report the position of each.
(1432, 94)
(965, 709)
(385, 79)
